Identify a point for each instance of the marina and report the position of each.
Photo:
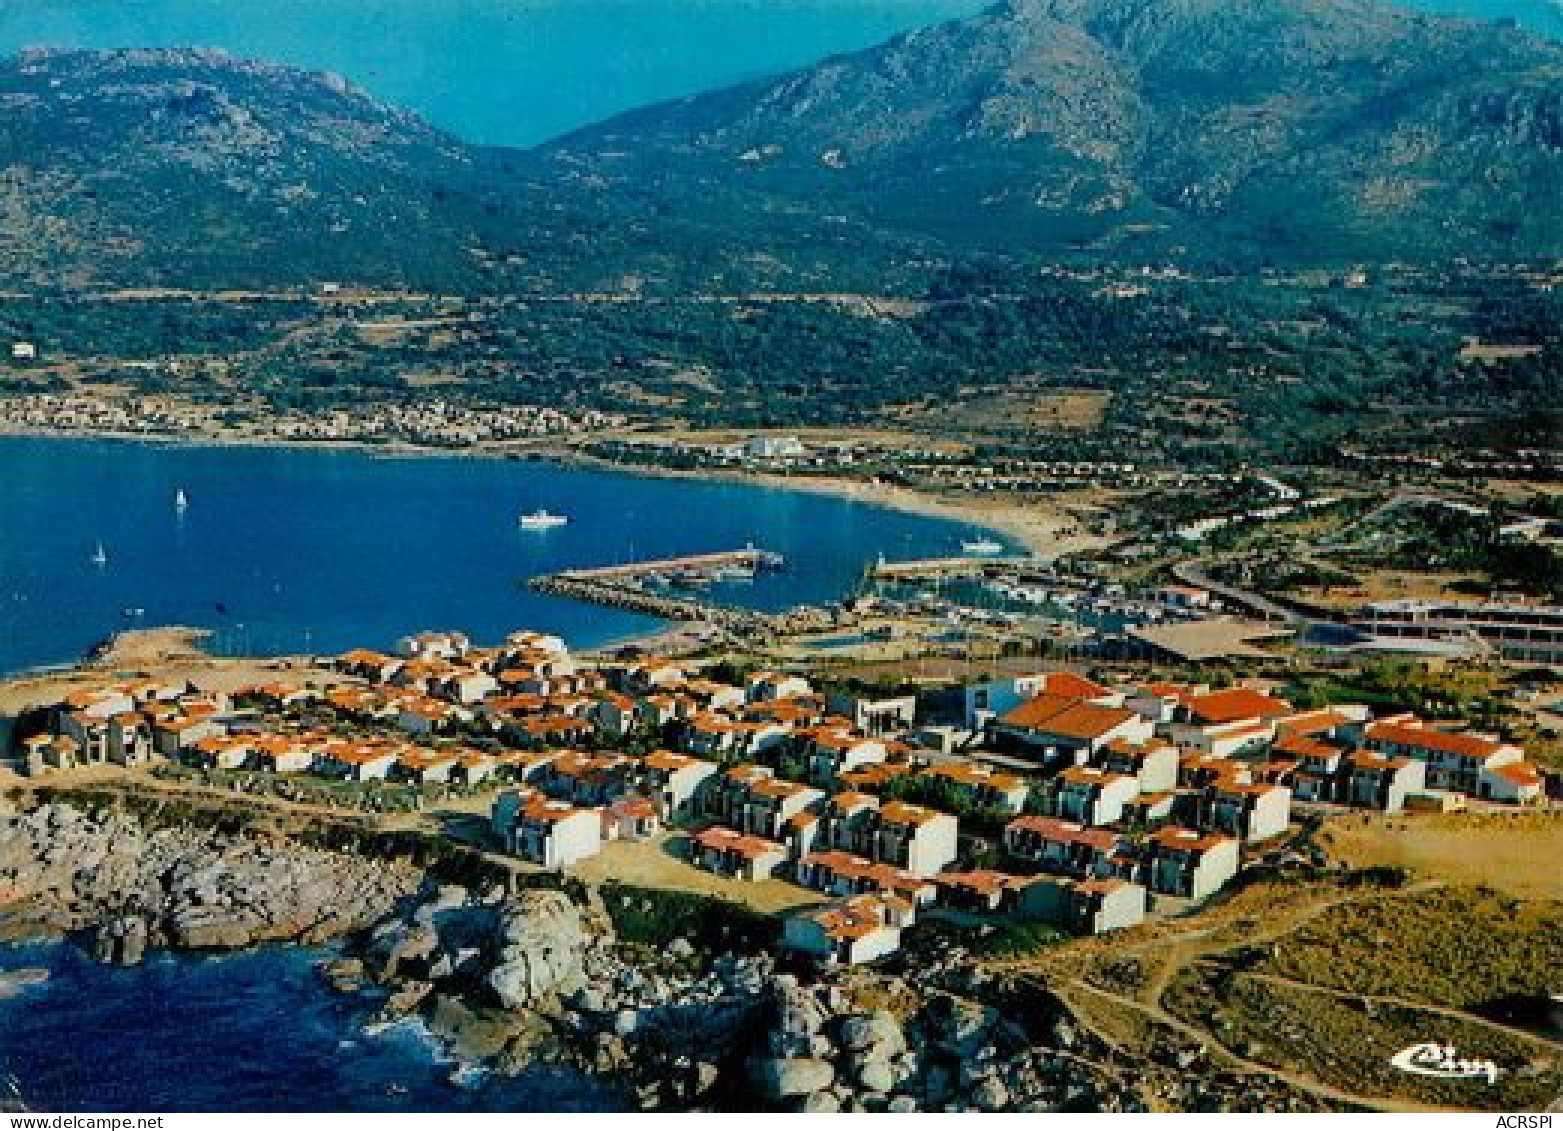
(646, 587)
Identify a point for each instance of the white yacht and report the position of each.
(100, 556)
(986, 547)
(181, 501)
(542, 520)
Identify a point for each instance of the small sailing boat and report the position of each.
(181, 500)
(100, 556)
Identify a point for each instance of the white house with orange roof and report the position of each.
(528, 641)
(1152, 763)
(850, 932)
(915, 837)
(830, 752)
(177, 733)
(284, 754)
(984, 702)
(1372, 779)
(434, 645)
(1227, 722)
(1188, 863)
(1455, 760)
(763, 687)
(424, 767)
(844, 873)
(1087, 794)
(649, 675)
(676, 782)
(1248, 810)
(1066, 847)
(553, 834)
(129, 740)
(615, 714)
(426, 716)
(848, 821)
(220, 751)
(1514, 783)
(375, 667)
(473, 767)
(1055, 729)
(633, 817)
(357, 762)
(987, 788)
(466, 685)
(728, 852)
(713, 696)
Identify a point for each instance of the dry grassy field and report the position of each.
(1517, 853)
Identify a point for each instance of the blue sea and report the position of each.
(306, 550)
(257, 1031)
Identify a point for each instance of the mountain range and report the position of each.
(1290, 131)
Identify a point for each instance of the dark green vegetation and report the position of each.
(1433, 538)
(654, 917)
(1002, 175)
(1201, 372)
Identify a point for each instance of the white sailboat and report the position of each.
(100, 556)
(542, 520)
(181, 501)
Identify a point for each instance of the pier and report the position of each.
(966, 566)
(747, 558)
(629, 586)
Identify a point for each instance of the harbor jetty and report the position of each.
(665, 588)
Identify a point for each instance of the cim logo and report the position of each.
(1443, 1062)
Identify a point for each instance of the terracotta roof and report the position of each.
(1305, 746)
(1520, 773)
(1066, 717)
(719, 839)
(900, 813)
(1187, 840)
(1429, 738)
(981, 882)
(1072, 686)
(1235, 704)
(1066, 832)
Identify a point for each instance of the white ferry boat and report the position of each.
(542, 520)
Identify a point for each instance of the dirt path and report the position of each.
(1302, 1083)
(1225, 928)
(1405, 1003)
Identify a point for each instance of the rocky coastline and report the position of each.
(510, 979)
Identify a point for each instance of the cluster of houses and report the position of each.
(433, 422)
(1099, 802)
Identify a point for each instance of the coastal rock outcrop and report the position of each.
(545, 940)
(135, 887)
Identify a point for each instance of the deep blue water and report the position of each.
(258, 1031)
(289, 549)
(516, 72)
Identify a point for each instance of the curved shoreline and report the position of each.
(1038, 533)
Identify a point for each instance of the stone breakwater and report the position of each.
(128, 887)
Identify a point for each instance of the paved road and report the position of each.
(1194, 574)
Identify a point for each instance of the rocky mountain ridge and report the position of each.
(1286, 130)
